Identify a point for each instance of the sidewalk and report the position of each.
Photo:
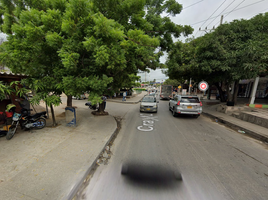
(251, 129)
(129, 100)
(53, 162)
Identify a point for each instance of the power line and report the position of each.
(241, 8)
(235, 8)
(213, 13)
(222, 12)
(227, 12)
(192, 4)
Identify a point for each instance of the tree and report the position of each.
(232, 52)
(72, 46)
(172, 82)
(4, 89)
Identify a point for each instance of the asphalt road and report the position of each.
(215, 162)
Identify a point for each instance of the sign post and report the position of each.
(179, 89)
(203, 86)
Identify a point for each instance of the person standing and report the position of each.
(124, 96)
(104, 98)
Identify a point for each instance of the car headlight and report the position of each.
(155, 106)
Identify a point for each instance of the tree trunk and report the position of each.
(69, 101)
(236, 87)
(222, 96)
(229, 95)
(101, 108)
(209, 93)
(53, 116)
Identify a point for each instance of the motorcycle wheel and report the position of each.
(11, 132)
(41, 123)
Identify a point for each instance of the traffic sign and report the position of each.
(203, 86)
(179, 87)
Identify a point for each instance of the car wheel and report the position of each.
(196, 116)
(174, 113)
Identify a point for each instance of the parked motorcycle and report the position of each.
(26, 121)
(92, 107)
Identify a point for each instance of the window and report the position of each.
(190, 100)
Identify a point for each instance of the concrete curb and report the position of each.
(257, 105)
(125, 102)
(248, 132)
(79, 184)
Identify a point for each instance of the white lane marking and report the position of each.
(147, 122)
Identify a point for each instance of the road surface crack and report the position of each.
(250, 156)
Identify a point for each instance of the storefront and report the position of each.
(262, 89)
(245, 88)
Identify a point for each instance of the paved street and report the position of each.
(215, 162)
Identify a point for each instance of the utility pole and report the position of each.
(206, 29)
(221, 20)
(190, 86)
(145, 76)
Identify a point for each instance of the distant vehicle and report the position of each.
(152, 94)
(148, 104)
(184, 104)
(166, 92)
(79, 97)
(151, 91)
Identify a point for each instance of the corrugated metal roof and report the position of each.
(6, 73)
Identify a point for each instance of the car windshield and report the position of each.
(148, 99)
(190, 99)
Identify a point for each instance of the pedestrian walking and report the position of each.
(104, 98)
(124, 96)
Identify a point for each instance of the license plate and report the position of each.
(189, 107)
(148, 109)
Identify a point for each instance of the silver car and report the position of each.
(148, 104)
(152, 94)
(185, 104)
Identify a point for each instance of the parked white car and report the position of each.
(185, 104)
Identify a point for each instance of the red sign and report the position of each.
(203, 86)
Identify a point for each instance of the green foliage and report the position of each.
(139, 89)
(15, 87)
(234, 51)
(4, 89)
(18, 88)
(174, 83)
(72, 46)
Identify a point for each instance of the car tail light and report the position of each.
(201, 103)
(178, 103)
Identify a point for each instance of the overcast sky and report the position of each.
(207, 13)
